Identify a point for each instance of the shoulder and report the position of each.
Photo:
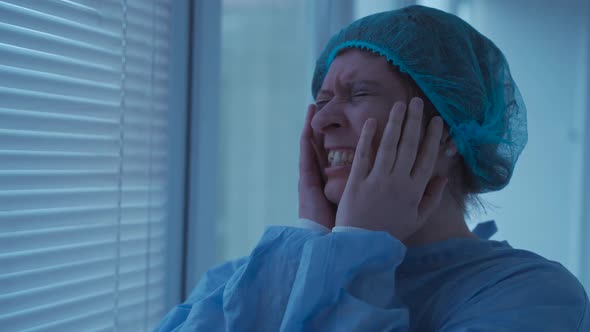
(529, 291)
(516, 267)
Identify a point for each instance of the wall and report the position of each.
(546, 43)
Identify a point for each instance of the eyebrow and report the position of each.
(364, 84)
(351, 84)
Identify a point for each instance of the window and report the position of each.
(84, 137)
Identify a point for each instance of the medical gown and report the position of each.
(306, 279)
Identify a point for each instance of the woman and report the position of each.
(415, 114)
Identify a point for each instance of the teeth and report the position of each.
(339, 158)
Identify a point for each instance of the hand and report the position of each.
(396, 194)
(313, 204)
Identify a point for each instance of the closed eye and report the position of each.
(322, 103)
(358, 92)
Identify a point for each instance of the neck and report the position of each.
(445, 223)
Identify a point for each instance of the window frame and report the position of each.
(177, 151)
(584, 225)
(200, 252)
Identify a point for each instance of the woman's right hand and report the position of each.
(313, 204)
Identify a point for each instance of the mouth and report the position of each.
(335, 171)
(340, 157)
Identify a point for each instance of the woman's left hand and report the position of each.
(396, 193)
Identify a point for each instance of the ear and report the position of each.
(447, 146)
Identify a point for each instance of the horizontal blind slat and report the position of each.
(90, 321)
(30, 279)
(137, 74)
(103, 281)
(34, 160)
(58, 26)
(27, 160)
(55, 122)
(23, 320)
(40, 179)
(52, 237)
(44, 296)
(140, 131)
(44, 42)
(27, 140)
(30, 240)
(70, 10)
(101, 320)
(45, 198)
(138, 20)
(38, 101)
(23, 220)
(32, 80)
(20, 57)
(46, 257)
(56, 311)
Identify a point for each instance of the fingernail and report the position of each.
(418, 100)
(417, 109)
(400, 108)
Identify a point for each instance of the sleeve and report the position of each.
(540, 298)
(301, 280)
(204, 297)
(232, 297)
(346, 282)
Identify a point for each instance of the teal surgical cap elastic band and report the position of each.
(463, 74)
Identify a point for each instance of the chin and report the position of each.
(334, 189)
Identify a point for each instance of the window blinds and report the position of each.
(83, 164)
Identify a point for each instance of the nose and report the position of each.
(328, 118)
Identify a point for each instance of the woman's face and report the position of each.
(358, 86)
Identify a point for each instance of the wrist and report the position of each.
(312, 225)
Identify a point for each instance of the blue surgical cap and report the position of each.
(463, 74)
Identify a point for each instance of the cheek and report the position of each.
(360, 112)
(335, 188)
(381, 123)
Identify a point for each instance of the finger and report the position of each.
(321, 159)
(306, 136)
(431, 198)
(387, 151)
(362, 156)
(408, 145)
(428, 154)
(308, 163)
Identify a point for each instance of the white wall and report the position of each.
(546, 43)
(266, 72)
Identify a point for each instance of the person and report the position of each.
(415, 114)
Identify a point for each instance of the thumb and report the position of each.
(432, 197)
